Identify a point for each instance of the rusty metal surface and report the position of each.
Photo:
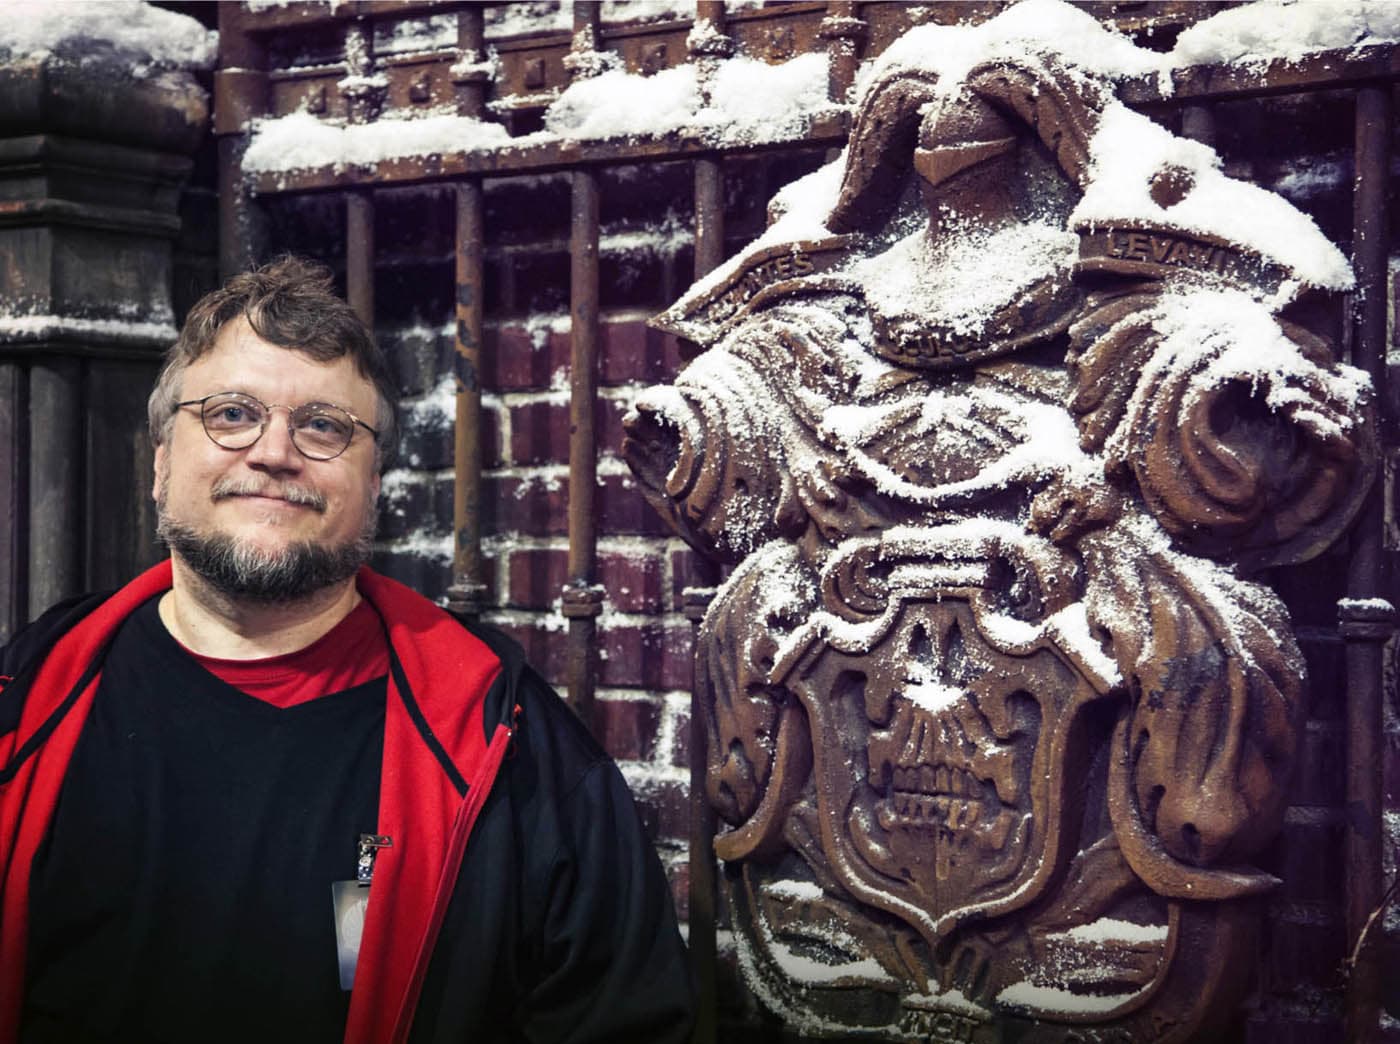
(541, 158)
(359, 254)
(844, 32)
(582, 600)
(1325, 71)
(533, 69)
(995, 749)
(470, 84)
(703, 897)
(467, 594)
(1367, 627)
(240, 95)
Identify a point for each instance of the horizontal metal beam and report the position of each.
(1326, 71)
(542, 158)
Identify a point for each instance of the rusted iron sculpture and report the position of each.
(997, 717)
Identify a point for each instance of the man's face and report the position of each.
(266, 503)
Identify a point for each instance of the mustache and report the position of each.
(252, 487)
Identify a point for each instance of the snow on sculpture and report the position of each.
(994, 425)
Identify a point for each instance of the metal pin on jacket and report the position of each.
(369, 848)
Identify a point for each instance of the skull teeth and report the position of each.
(937, 780)
(903, 809)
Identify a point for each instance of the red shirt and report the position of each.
(351, 653)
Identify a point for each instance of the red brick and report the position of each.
(650, 656)
(665, 809)
(680, 742)
(608, 422)
(429, 575)
(545, 650)
(1307, 856)
(624, 511)
(633, 581)
(407, 510)
(437, 449)
(626, 728)
(1303, 951)
(1390, 761)
(630, 351)
(491, 443)
(689, 569)
(539, 431)
(1321, 776)
(534, 507)
(511, 362)
(489, 575)
(536, 576)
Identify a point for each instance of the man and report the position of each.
(205, 774)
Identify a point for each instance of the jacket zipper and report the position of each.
(477, 792)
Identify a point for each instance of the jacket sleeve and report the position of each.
(26, 648)
(615, 967)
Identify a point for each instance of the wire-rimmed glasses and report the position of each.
(319, 430)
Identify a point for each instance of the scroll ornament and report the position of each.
(994, 427)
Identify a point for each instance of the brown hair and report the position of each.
(289, 302)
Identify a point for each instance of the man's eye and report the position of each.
(231, 415)
(324, 424)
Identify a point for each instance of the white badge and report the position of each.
(351, 901)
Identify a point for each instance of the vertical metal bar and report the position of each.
(469, 73)
(240, 94)
(56, 482)
(1365, 631)
(582, 600)
(709, 214)
(362, 96)
(468, 590)
(587, 19)
(359, 254)
(703, 895)
(844, 33)
(703, 898)
(711, 11)
(14, 498)
(707, 48)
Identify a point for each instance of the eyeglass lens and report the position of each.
(318, 430)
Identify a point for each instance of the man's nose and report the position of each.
(274, 450)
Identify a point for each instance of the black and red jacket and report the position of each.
(530, 907)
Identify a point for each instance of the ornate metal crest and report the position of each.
(994, 426)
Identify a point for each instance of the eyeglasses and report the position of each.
(318, 430)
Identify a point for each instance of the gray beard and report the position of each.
(249, 574)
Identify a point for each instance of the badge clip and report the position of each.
(369, 847)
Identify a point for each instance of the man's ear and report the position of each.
(158, 471)
(374, 485)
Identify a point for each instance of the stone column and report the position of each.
(92, 159)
